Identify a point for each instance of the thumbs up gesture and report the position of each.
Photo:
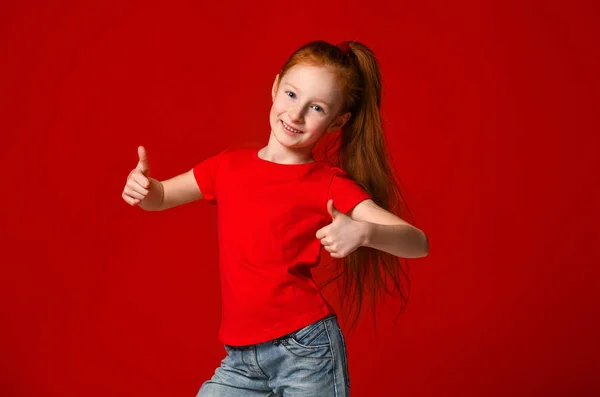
(342, 236)
(138, 181)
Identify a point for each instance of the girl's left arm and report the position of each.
(385, 231)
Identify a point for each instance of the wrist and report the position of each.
(366, 231)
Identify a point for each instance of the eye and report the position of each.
(290, 94)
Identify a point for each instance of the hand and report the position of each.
(342, 236)
(138, 181)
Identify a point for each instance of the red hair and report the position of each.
(360, 150)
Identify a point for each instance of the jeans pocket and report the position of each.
(311, 341)
(311, 336)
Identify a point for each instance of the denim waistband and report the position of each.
(284, 339)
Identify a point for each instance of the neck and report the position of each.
(277, 153)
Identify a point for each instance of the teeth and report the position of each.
(290, 128)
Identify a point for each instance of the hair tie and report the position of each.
(345, 47)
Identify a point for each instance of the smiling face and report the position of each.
(307, 99)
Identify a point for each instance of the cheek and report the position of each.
(278, 105)
(275, 110)
(321, 125)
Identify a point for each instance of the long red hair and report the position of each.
(360, 150)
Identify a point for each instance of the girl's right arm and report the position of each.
(153, 195)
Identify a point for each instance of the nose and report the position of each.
(295, 114)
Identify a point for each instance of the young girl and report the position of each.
(277, 207)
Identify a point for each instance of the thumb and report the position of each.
(143, 163)
(331, 209)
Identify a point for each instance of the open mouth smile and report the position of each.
(287, 127)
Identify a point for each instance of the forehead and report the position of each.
(315, 81)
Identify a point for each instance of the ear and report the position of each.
(275, 86)
(339, 122)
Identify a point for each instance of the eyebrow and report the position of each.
(328, 105)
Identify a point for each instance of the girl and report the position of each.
(278, 206)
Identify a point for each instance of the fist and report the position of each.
(138, 182)
(342, 236)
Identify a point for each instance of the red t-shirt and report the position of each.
(267, 217)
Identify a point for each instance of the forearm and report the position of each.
(154, 199)
(405, 241)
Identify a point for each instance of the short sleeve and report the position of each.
(205, 173)
(345, 192)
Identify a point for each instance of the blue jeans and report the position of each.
(309, 362)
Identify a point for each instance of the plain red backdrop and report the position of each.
(488, 110)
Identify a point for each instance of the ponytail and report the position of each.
(360, 150)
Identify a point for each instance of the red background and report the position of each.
(488, 109)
